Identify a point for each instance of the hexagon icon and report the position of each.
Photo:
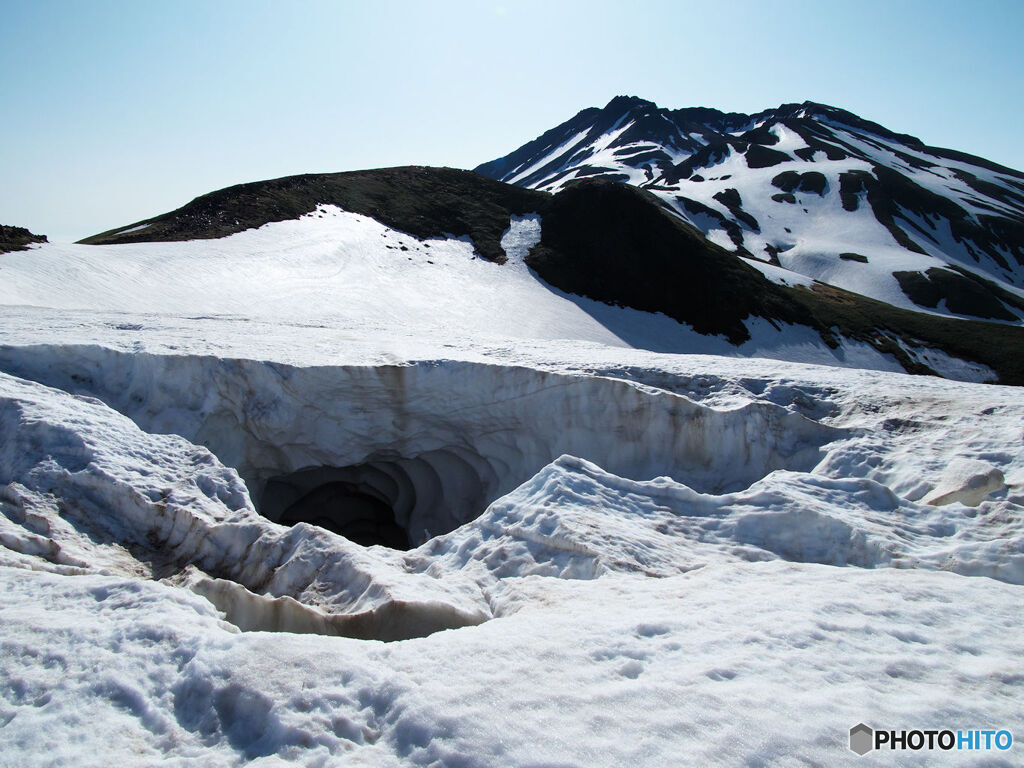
(861, 739)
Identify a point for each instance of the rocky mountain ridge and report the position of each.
(813, 189)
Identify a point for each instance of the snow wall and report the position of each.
(414, 451)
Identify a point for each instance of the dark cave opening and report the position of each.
(356, 514)
(397, 502)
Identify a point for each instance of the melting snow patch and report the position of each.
(947, 366)
(780, 275)
(522, 234)
(391, 620)
(967, 481)
(133, 229)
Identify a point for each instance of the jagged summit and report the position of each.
(812, 188)
(622, 101)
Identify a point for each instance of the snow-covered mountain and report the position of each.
(813, 189)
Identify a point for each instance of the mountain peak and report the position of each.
(943, 228)
(620, 103)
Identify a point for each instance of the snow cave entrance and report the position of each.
(391, 501)
(356, 512)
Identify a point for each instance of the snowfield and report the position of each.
(617, 554)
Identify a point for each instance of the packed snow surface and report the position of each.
(615, 556)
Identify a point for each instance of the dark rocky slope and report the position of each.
(17, 239)
(621, 245)
(425, 202)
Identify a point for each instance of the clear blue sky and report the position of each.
(112, 111)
